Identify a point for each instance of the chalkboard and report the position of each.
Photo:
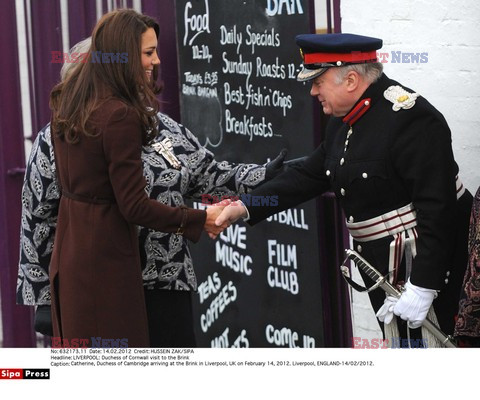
(258, 286)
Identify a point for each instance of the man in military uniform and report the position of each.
(387, 155)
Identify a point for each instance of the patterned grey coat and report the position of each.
(166, 259)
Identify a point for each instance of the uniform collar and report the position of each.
(369, 97)
(357, 111)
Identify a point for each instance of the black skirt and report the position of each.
(170, 318)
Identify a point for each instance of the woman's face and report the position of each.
(149, 52)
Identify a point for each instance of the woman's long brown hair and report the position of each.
(73, 100)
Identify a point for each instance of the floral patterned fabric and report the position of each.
(165, 257)
(468, 321)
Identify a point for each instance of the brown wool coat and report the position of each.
(95, 270)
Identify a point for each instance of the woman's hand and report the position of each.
(210, 227)
(230, 214)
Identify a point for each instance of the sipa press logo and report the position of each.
(25, 373)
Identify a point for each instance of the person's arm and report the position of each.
(212, 179)
(423, 157)
(219, 178)
(40, 201)
(122, 143)
(292, 187)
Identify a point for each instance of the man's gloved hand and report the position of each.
(385, 314)
(413, 304)
(274, 167)
(277, 165)
(43, 320)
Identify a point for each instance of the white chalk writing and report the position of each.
(279, 256)
(195, 23)
(275, 7)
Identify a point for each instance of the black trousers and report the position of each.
(170, 318)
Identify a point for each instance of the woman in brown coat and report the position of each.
(101, 116)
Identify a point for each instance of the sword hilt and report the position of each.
(381, 281)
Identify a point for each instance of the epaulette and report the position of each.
(400, 97)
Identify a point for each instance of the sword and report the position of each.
(382, 282)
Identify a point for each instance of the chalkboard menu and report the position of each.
(258, 286)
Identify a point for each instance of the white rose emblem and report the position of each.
(400, 97)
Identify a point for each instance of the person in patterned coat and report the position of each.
(467, 326)
(388, 158)
(167, 268)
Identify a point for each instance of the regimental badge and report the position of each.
(400, 97)
(165, 148)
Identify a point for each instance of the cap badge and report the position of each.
(400, 97)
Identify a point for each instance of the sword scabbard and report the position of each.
(388, 288)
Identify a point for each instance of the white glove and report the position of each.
(413, 304)
(385, 314)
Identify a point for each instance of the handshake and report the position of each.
(220, 216)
